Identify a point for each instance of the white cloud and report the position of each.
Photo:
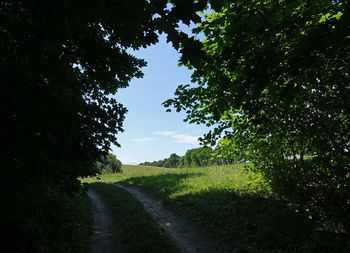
(180, 138)
(166, 133)
(143, 140)
(128, 160)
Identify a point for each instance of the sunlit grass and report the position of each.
(234, 204)
(202, 179)
(128, 171)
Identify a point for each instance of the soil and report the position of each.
(105, 238)
(185, 235)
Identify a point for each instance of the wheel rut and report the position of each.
(184, 234)
(105, 238)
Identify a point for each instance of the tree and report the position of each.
(194, 157)
(188, 158)
(181, 162)
(113, 164)
(198, 157)
(173, 161)
(60, 63)
(109, 165)
(274, 76)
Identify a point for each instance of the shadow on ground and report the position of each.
(245, 222)
(161, 185)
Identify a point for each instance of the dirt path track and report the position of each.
(105, 236)
(183, 234)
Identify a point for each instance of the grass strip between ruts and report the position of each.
(138, 231)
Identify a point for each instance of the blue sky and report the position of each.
(151, 133)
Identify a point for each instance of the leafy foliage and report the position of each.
(109, 165)
(198, 157)
(60, 63)
(227, 152)
(273, 77)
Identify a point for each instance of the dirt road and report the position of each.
(182, 233)
(105, 239)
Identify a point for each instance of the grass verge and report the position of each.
(138, 231)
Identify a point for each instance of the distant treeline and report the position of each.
(197, 157)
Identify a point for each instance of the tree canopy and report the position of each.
(60, 64)
(109, 165)
(273, 76)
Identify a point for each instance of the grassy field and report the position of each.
(234, 205)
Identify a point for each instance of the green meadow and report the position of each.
(233, 204)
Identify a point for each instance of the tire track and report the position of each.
(105, 235)
(182, 233)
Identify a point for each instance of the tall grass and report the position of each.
(235, 205)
